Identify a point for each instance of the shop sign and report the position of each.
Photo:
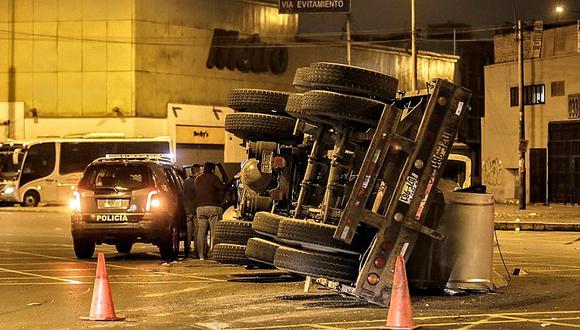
(229, 50)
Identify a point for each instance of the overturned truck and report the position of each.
(373, 159)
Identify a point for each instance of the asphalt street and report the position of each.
(43, 286)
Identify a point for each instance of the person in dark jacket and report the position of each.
(189, 205)
(209, 191)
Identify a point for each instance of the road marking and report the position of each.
(41, 276)
(541, 321)
(433, 318)
(476, 323)
(86, 276)
(91, 283)
(109, 264)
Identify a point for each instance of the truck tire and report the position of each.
(230, 254)
(84, 248)
(352, 80)
(266, 223)
(233, 231)
(313, 236)
(342, 107)
(258, 101)
(300, 81)
(261, 250)
(261, 127)
(329, 266)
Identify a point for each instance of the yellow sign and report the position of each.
(200, 135)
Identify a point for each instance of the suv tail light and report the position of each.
(75, 202)
(153, 202)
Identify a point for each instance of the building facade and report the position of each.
(155, 67)
(552, 122)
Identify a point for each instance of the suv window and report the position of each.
(125, 176)
(172, 179)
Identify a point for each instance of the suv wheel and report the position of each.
(31, 199)
(124, 247)
(169, 247)
(84, 248)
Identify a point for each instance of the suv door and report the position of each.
(176, 193)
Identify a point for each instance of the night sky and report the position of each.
(394, 15)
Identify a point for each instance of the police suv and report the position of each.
(124, 199)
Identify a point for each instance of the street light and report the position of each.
(560, 10)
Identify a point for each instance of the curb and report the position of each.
(35, 209)
(537, 226)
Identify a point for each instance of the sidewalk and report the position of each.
(537, 217)
(40, 209)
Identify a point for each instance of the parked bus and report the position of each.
(47, 170)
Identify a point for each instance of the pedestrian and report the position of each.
(210, 191)
(189, 206)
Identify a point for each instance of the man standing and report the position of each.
(189, 205)
(210, 191)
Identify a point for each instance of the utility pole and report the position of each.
(413, 48)
(348, 41)
(522, 141)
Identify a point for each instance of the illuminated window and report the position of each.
(533, 94)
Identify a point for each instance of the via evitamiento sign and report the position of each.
(313, 6)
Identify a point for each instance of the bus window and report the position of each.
(39, 162)
(75, 156)
(153, 147)
(10, 162)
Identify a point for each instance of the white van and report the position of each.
(47, 170)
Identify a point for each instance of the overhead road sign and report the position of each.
(313, 6)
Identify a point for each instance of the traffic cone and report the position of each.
(102, 308)
(400, 311)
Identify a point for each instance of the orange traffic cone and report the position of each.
(102, 308)
(400, 311)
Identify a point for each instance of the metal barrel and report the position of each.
(469, 221)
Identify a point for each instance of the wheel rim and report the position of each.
(29, 200)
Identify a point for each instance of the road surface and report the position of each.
(43, 286)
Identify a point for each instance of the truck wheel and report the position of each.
(258, 101)
(169, 246)
(329, 266)
(230, 254)
(261, 250)
(341, 107)
(31, 199)
(266, 223)
(233, 232)
(294, 109)
(124, 247)
(261, 127)
(300, 81)
(313, 236)
(84, 248)
(352, 80)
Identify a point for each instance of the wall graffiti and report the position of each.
(492, 171)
